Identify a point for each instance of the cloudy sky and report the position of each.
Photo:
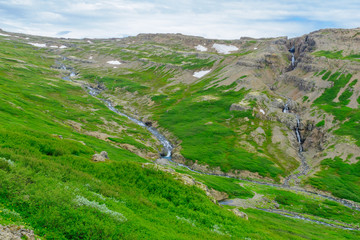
(224, 19)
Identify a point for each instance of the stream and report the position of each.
(304, 168)
(167, 147)
(296, 216)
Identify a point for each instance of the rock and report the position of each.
(162, 161)
(219, 196)
(259, 136)
(239, 107)
(298, 82)
(314, 139)
(177, 157)
(187, 180)
(16, 233)
(151, 155)
(98, 158)
(288, 119)
(104, 154)
(148, 123)
(260, 130)
(238, 213)
(163, 152)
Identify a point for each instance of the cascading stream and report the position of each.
(303, 169)
(164, 142)
(298, 136)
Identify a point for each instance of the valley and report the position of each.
(221, 139)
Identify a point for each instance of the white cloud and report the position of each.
(228, 19)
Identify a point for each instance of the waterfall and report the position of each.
(292, 60)
(298, 136)
(286, 108)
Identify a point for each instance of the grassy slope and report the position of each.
(50, 184)
(337, 176)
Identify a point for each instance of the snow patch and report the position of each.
(255, 48)
(38, 44)
(200, 74)
(62, 47)
(89, 41)
(5, 35)
(54, 46)
(91, 57)
(114, 62)
(262, 111)
(201, 48)
(225, 49)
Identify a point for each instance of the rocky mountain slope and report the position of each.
(284, 132)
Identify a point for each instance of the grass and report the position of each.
(337, 55)
(215, 143)
(230, 186)
(341, 178)
(336, 176)
(348, 116)
(320, 124)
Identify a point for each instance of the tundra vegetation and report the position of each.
(50, 128)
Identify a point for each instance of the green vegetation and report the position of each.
(341, 178)
(112, 82)
(202, 126)
(336, 176)
(326, 75)
(320, 124)
(129, 140)
(348, 116)
(229, 185)
(337, 55)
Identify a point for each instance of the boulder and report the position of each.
(104, 154)
(98, 158)
(238, 213)
(219, 196)
(239, 107)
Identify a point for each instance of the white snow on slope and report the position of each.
(114, 62)
(62, 47)
(200, 74)
(225, 49)
(38, 44)
(54, 46)
(201, 48)
(5, 35)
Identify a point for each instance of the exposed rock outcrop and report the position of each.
(314, 139)
(238, 213)
(298, 82)
(100, 157)
(16, 233)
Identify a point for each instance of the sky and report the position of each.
(220, 19)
